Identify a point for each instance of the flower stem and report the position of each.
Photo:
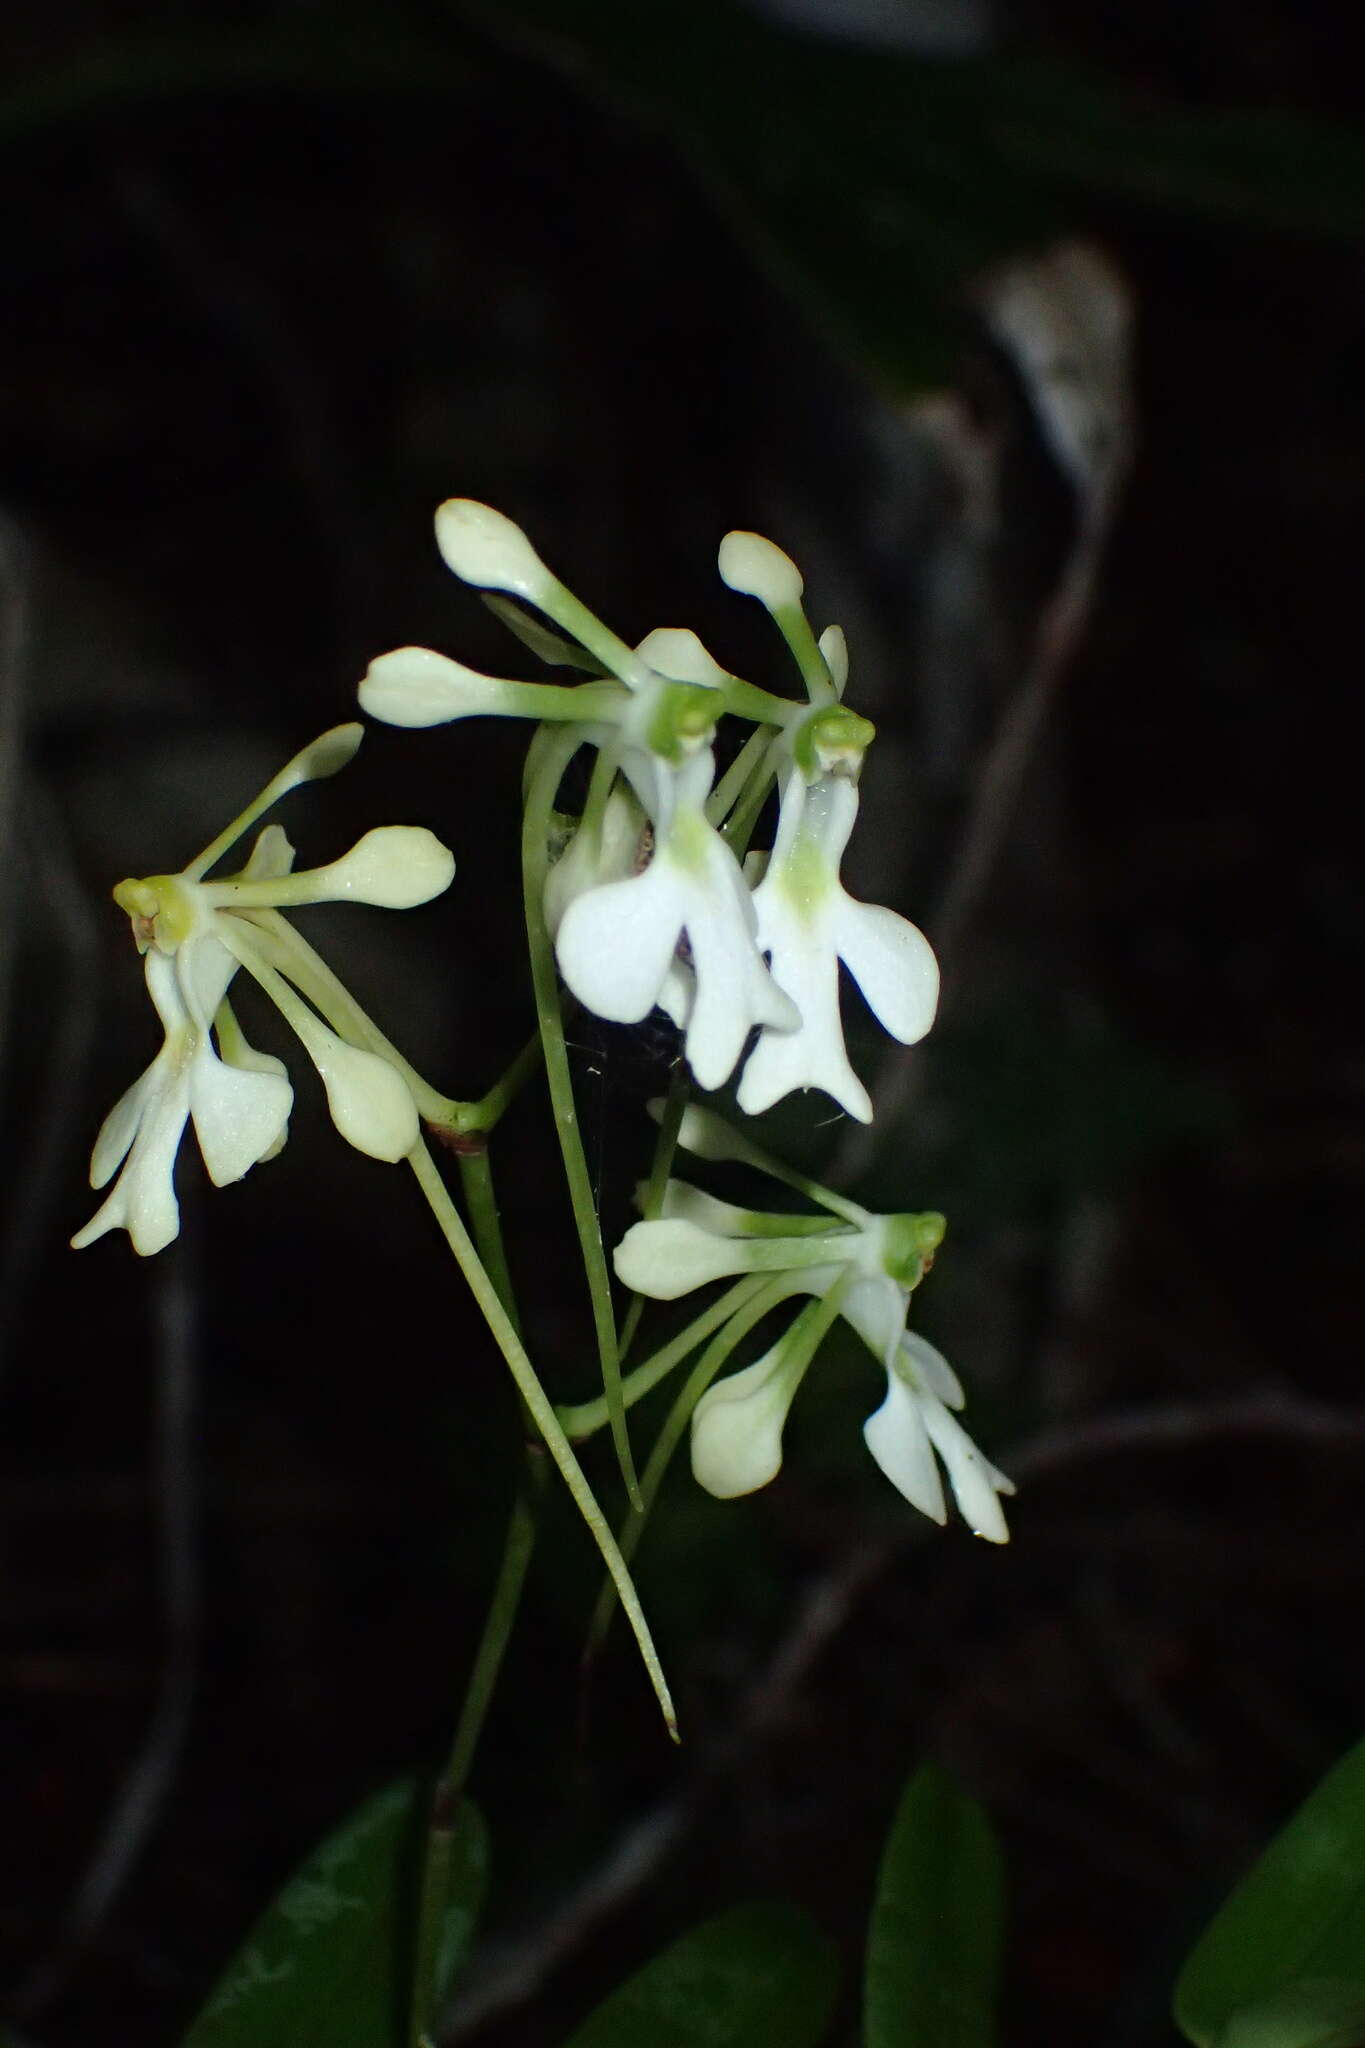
(541, 1412)
(549, 756)
(801, 1343)
(652, 1199)
(589, 1416)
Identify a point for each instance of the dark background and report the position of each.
(275, 284)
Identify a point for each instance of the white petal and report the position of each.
(876, 1308)
(737, 1426)
(932, 1370)
(272, 855)
(235, 1051)
(239, 1116)
(591, 859)
(142, 1200)
(204, 968)
(892, 963)
(898, 1439)
(394, 866)
(616, 942)
(805, 964)
(119, 1128)
(413, 686)
(489, 550)
(678, 992)
(676, 652)
(834, 647)
(668, 1258)
(735, 991)
(759, 568)
(975, 1482)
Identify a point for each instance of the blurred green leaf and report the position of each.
(753, 1977)
(933, 1950)
(1313, 2015)
(328, 1964)
(876, 182)
(872, 181)
(1297, 1918)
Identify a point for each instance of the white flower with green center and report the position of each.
(868, 1266)
(808, 923)
(618, 944)
(195, 933)
(678, 926)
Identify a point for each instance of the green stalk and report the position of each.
(518, 1544)
(541, 1412)
(802, 1341)
(652, 1202)
(549, 755)
(590, 1416)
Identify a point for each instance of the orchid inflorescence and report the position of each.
(658, 852)
(651, 894)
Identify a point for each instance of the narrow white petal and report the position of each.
(759, 568)
(489, 550)
(413, 686)
(932, 1370)
(239, 1115)
(119, 1128)
(616, 942)
(892, 963)
(898, 1439)
(737, 1426)
(975, 1482)
(666, 1259)
(142, 1200)
(394, 866)
(876, 1308)
(272, 855)
(204, 968)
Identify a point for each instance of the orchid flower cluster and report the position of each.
(650, 894)
(655, 860)
(194, 933)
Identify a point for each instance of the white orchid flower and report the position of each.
(195, 934)
(670, 920)
(807, 924)
(876, 1262)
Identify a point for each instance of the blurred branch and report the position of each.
(1064, 319)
